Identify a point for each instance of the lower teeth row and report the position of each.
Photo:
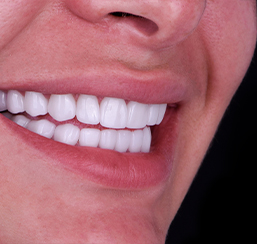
(118, 140)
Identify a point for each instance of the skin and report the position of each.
(210, 42)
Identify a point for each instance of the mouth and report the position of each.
(110, 141)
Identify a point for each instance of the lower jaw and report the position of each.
(107, 167)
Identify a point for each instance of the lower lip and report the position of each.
(107, 167)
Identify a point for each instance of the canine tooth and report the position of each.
(108, 139)
(152, 114)
(161, 114)
(89, 137)
(62, 107)
(88, 111)
(123, 140)
(15, 102)
(42, 127)
(113, 113)
(3, 105)
(20, 120)
(35, 103)
(137, 115)
(67, 133)
(136, 141)
(146, 144)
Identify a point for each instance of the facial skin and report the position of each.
(193, 54)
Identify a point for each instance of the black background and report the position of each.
(220, 206)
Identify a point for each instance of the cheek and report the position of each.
(228, 32)
(15, 16)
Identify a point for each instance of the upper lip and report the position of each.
(149, 87)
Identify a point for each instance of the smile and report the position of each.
(85, 120)
(123, 140)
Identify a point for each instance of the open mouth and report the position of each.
(110, 141)
(85, 120)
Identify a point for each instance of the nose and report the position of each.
(159, 23)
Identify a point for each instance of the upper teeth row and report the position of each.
(111, 112)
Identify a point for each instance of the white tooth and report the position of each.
(137, 115)
(113, 113)
(108, 139)
(146, 140)
(35, 103)
(123, 140)
(162, 111)
(15, 102)
(89, 137)
(62, 107)
(67, 133)
(153, 112)
(42, 127)
(136, 141)
(21, 120)
(88, 109)
(3, 105)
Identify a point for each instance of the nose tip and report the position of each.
(159, 23)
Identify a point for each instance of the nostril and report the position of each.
(121, 14)
(144, 25)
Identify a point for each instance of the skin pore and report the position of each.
(191, 55)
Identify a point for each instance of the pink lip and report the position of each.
(134, 86)
(106, 167)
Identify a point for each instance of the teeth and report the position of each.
(137, 115)
(161, 113)
(89, 137)
(147, 138)
(88, 110)
(42, 127)
(67, 133)
(35, 103)
(123, 140)
(113, 113)
(152, 114)
(62, 107)
(20, 120)
(108, 139)
(15, 102)
(3, 105)
(136, 141)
